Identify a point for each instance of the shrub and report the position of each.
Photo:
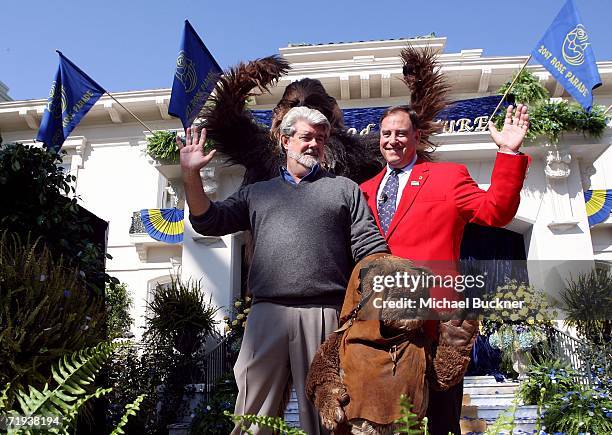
(552, 375)
(45, 311)
(118, 303)
(35, 201)
(587, 300)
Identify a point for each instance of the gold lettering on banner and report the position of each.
(448, 126)
(76, 108)
(544, 52)
(202, 95)
(480, 123)
(564, 70)
(464, 125)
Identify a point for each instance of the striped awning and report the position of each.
(598, 205)
(164, 224)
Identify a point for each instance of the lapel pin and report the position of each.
(414, 183)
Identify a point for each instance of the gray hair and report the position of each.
(311, 116)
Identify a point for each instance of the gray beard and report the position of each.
(303, 159)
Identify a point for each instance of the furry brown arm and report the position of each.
(453, 353)
(231, 127)
(324, 386)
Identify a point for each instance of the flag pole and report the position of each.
(130, 112)
(509, 87)
(608, 109)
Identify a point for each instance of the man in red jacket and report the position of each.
(422, 207)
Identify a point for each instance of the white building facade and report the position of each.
(115, 177)
(4, 96)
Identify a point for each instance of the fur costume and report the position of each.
(235, 133)
(359, 373)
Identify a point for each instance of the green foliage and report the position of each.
(180, 318)
(180, 312)
(527, 89)
(118, 304)
(552, 119)
(551, 375)
(45, 311)
(72, 374)
(276, 423)
(587, 300)
(582, 410)
(132, 373)
(409, 423)
(35, 202)
(162, 146)
(505, 423)
(130, 410)
(209, 417)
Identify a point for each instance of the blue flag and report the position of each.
(196, 75)
(565, 51)
(72, 94)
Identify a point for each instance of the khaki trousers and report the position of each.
(278, 346)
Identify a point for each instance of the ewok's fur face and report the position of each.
(402, 319)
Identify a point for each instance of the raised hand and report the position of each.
(515, 128)
(192, 157)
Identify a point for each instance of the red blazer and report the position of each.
(436, 204)
(440, 199)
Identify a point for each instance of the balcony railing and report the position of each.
(137, 227)
(583, 357)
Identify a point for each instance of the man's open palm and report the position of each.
(192, 157)
(511, 137)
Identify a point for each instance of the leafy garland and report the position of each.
(552, 119)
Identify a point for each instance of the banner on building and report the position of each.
(197, 72)
(565, 51)
(72, 94)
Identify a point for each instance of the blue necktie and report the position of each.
(387, 200)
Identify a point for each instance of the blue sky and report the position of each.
(132, 44)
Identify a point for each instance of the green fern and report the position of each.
(130, 410)
(71, 373)
(4, 397)
(276, 423)
(409, 422)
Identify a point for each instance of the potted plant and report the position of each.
(181, 318)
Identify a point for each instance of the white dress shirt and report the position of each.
(402, 179)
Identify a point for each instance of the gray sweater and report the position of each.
(307, 237)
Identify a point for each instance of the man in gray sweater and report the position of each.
(309, 229)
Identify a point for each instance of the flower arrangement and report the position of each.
(523, 328)
(240, 310)
(516, 337)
